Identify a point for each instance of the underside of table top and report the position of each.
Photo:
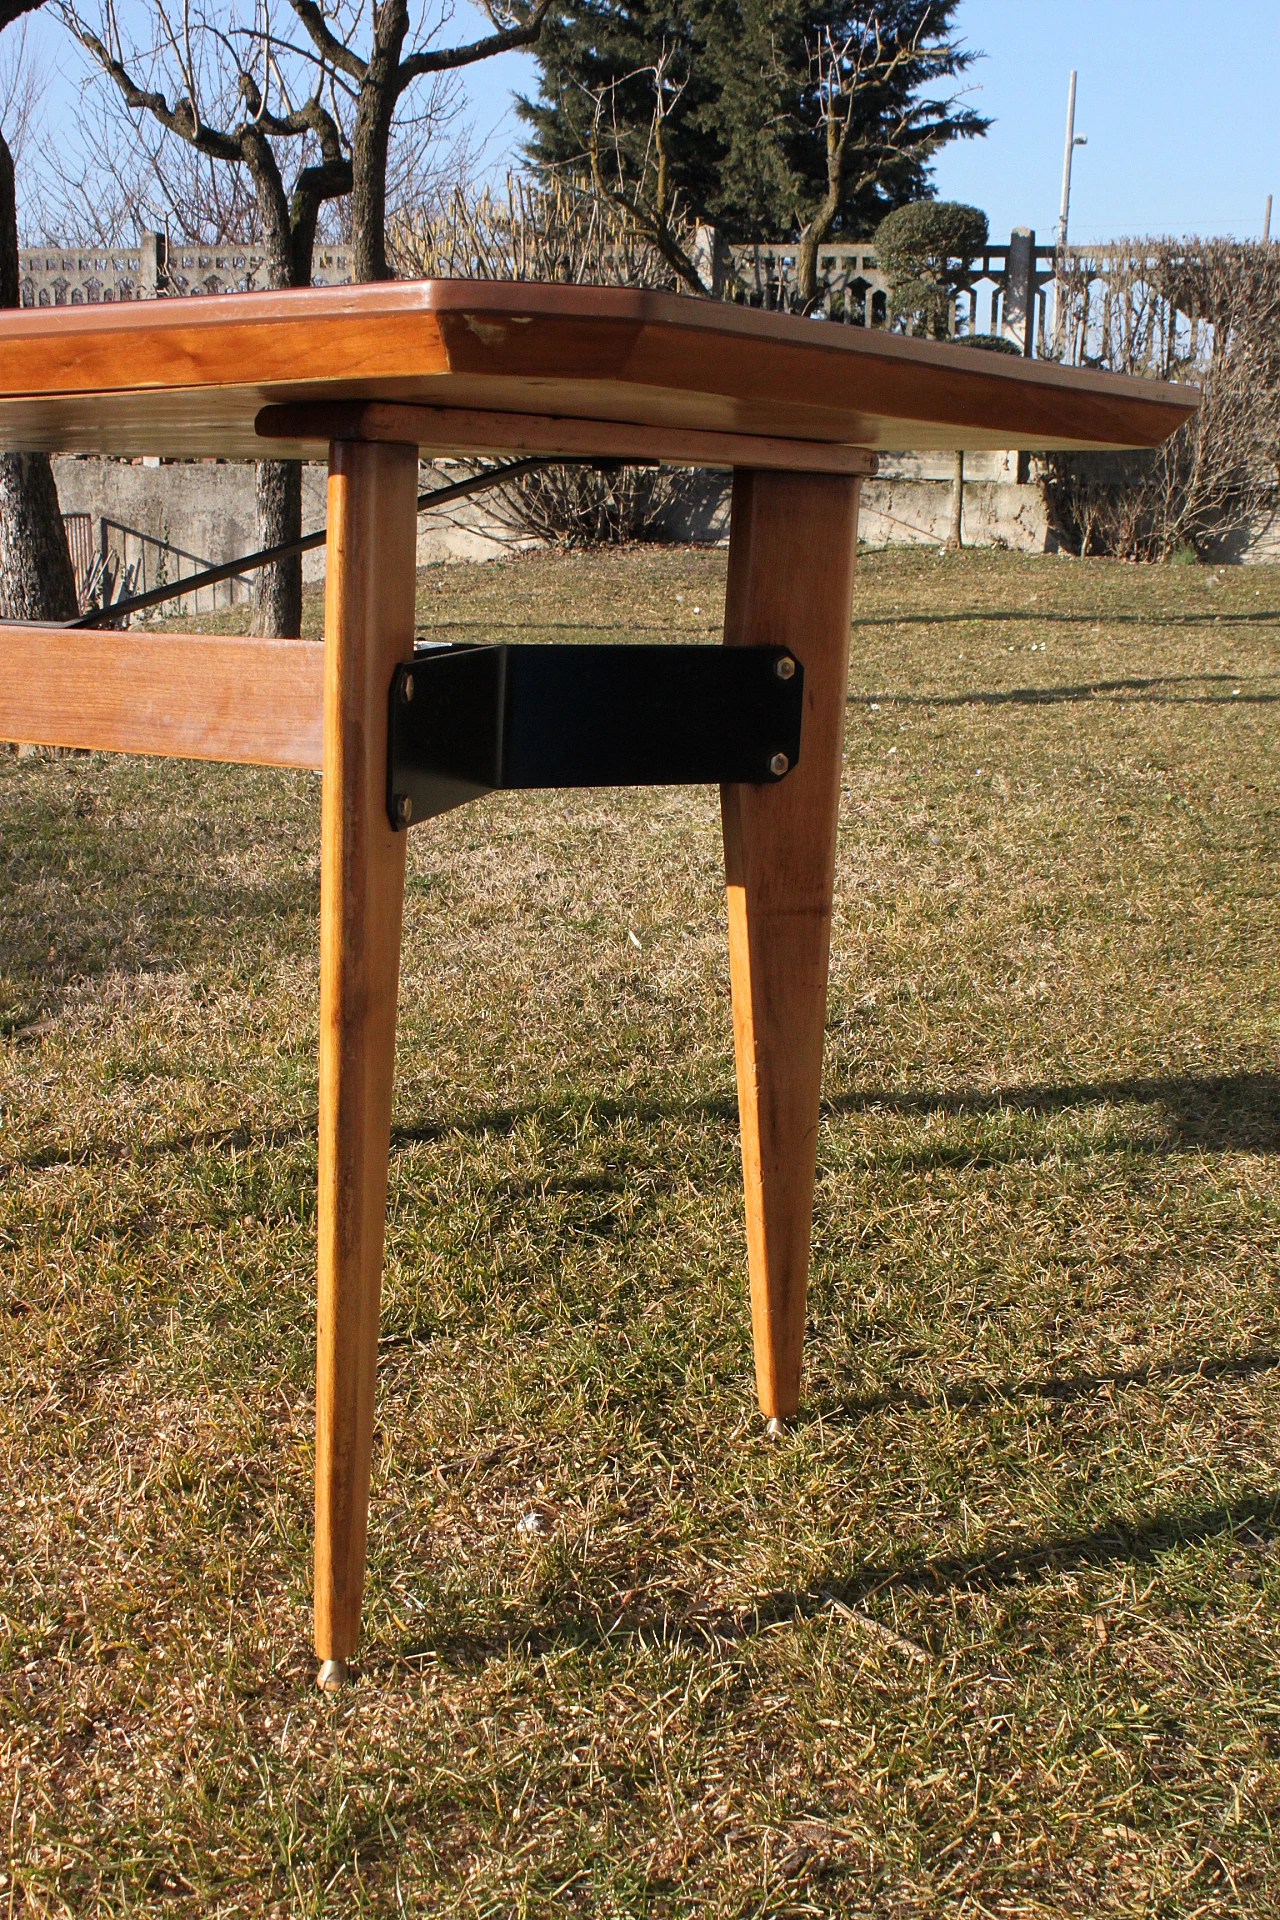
(187, 377)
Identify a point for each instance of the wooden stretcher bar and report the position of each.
(190, 696)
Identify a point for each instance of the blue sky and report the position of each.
(1180, 101)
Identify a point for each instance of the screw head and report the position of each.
(404, 809)
(406, 689)
(779, 764)
(785, 668)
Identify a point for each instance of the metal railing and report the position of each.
(107, 610)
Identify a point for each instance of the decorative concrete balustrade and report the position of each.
(156, 267)
(1005, 288)
(1004, 285)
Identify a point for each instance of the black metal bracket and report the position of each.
(466, 720)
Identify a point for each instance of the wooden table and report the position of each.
(370, 377)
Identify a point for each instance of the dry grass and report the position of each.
(994, 1632)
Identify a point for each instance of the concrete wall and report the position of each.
(1251, 542)
(159, 522)
(177, 517)
(898, 512)
(183, 515)
(909, 504)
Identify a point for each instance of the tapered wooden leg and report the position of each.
(792, 546)
(369, 595)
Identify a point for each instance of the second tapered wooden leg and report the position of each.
(369, 605)
(793, 541)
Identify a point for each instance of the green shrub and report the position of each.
(991, 343)
(924, 251)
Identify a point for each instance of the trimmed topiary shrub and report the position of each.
(990, 343)
(924, 251)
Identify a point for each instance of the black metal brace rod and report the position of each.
(267, 556)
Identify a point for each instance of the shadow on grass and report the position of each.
(1147, 689)
(1051, 617)
(111, 1153)
(1238, 1112)
(1231, 1112)
(965, 617)
(1254, 1518)
(1060, 1387)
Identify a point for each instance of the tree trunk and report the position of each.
(277, 590)
(370, 140)
(807, 266)
(36, 580)
(9, 292)
(955, 535)
(814, 235)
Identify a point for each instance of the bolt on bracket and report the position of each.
(468, 720)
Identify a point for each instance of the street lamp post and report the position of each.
(1073, 141)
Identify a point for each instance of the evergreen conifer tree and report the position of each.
(773, 119)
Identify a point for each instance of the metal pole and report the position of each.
(1073, 141)
(1064, 209)
(1068, 150)
(1266, 223)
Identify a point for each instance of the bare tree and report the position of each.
(216, 85)
(122, 173)
(36, 580)
(377, 79)
(844, 71)
(22, 86)
(637, 177)
(240, 93)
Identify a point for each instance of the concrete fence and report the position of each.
(1004, 288)
(1004, 291)
(153, 268)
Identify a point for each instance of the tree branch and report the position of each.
(180, 119)
(11, 10)
(446, 59)
(335, 51)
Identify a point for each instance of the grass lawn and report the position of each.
(995, 1630)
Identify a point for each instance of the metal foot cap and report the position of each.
(332, 1675)
(775, 1428)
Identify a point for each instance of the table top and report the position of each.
(187, 377)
